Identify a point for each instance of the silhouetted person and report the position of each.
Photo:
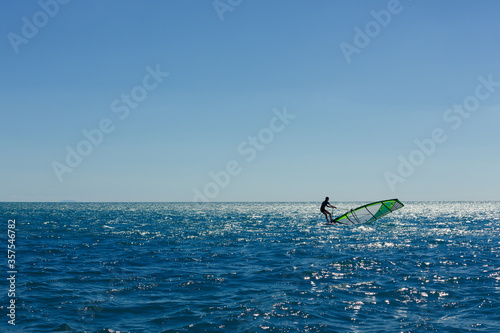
(324, 211)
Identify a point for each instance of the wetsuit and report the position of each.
(323, 206)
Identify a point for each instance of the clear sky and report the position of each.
(239, 100)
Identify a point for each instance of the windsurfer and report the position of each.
(324, 211)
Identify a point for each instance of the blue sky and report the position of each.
(249, 100)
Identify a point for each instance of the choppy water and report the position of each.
(252, 267)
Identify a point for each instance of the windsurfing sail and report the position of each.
(370, 212)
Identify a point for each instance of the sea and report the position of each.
(248, 267)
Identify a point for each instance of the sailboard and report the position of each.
(369, 212)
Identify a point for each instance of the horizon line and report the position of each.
(211, 202)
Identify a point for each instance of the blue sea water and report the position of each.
(251, 267)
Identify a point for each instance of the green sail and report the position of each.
(370, 212)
